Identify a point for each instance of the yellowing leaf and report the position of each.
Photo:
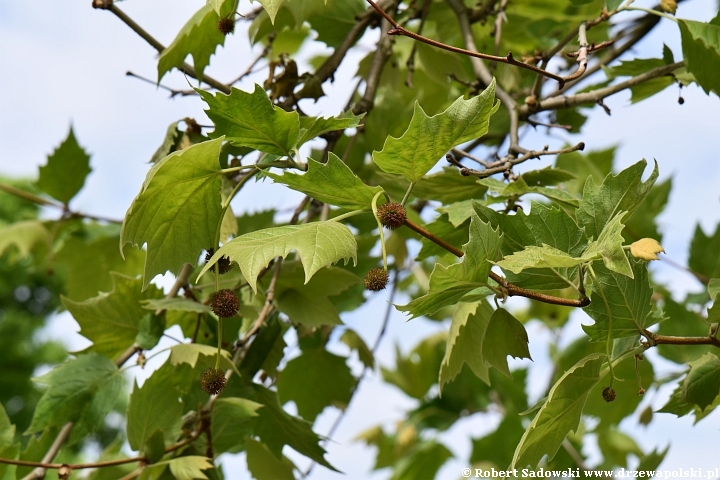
(317, 244)
(646, 249)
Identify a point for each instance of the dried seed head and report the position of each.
(376, 279)
(226, 26)
(392, 215)
(608, 394)
(224, 265)
(224, 303)
(213, 381)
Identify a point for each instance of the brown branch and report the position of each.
(595, 96)
(382, 54)
(506, 287)
(185, 68)
(463, 153)
(508, 59)
(505, 164)
(173, 92)
(656, 339)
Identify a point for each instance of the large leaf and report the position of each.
(178, 210)
(701, 52)
(465, 342)
(429, 138)
(332, 183)
(82, 390)
(620, 304)
(199, 37)
(66, 170)
(231, 423)
(264, 465)
(317, 245)
(112, 320)
(504, 336)
(703, 257)
(251, 120)
(8, 447)
(311, 127)
(702, 383)
(315, 380)
(618, 193)
(154, 407)
(560, 413)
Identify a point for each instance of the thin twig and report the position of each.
(173, 92)
(505, 164)
(508, 289)
(508, 59)
(410, 64)
(463, 153)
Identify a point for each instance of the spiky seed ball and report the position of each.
(226, 26)
(392, 215)
(376, 279)
(608, 394)
(224, 303)
(224, 264)
(213, 381)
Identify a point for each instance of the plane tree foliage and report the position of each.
(418, 188)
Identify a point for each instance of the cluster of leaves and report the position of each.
(573, 232)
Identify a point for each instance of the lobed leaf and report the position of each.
(427, 139)
(504, 336)
(317, 245)
(701, 52)
(334, 183)
(702, 383)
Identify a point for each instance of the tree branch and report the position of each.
(507, 288)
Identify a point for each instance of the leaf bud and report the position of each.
(376, 279)
(224, 303)
(392, 215)
(213, 381)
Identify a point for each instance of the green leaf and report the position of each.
(154, 407)
(66, 170)
(311, 127)
(416, 372)
(28, 236)
(264, 465)
(634, 67)
(151, 330)
(449, 284)
(682, 322)
(180, 304)
(315, 380)
(620, 305)
(652, 460)
(307, 303)
(82, 390)
(560, 414)
(317, 245)
(8, 448)
(448, 186)
(540, 257)
(333, 183)
(112, 320)
(546, 176)
(713, 287)
(423, 462)
(251, 120)
(199, 37)
(649, 88)
(702, 383)
(643, 222)
(618, 193)
(429, 138)
(465, 342)
(616, 446)
(701, 52)
(458, 212)
(189, 353)
(271, 7)
(189, 467)
(231, 422)
(178, 210)
(85, 279)
(703, 258)
(504, 336)
(609, 246)
(355, 342)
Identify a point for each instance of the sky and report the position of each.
(64, 64)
